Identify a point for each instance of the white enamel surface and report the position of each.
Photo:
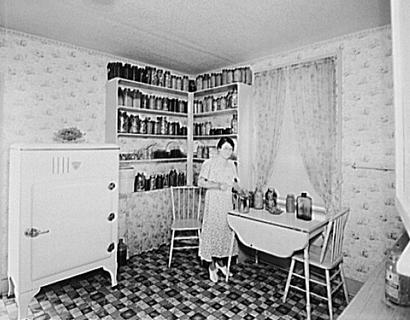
(64, 191)
(192, 36)
(401, 68)
(280, 235)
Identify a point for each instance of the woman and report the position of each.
(219, 176)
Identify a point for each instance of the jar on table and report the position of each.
(290, 203)
(397, 286)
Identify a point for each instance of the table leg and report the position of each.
(307, 281)
(230, 256)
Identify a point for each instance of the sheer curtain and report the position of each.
(309, 90)
(312, 99)
(269, 93)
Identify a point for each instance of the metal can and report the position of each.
(397, 286)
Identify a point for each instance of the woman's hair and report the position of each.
(223, 140)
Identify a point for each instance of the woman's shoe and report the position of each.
(223, 269)
(213, 274)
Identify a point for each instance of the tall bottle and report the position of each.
(234, 124)
(304, 207)
(258, 199)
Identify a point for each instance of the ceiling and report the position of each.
(192, 36)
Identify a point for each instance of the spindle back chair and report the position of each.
(327, 257)
(187, 210)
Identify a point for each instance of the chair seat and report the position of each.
(314, 258)
(189, 224)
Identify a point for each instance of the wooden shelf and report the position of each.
(165, 160)
(153, 111)
(149, 87)
(224, 88)
(210, 137)
(215, 113)
(152, 136)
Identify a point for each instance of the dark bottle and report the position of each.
(271, 200)
(120, 96)
(304, 207)
(139, 182)
(121, 253)
(173, 179)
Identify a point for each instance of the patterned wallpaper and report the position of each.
(49, 85)
(368, 141)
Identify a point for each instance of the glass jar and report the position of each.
(199, 82)
(304, 207)
(218, 79)
(397, 286)
(290, 203)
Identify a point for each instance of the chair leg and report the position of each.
(288, 280)
(171, 248)
(329, 294)
(344, 284)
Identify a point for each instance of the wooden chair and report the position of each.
(328, 258)
(187, 208)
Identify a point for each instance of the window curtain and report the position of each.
(312, 98)
(268, 94)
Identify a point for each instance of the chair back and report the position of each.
(333, 242)
(187, 202)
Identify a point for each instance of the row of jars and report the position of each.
(143, 182)
(136, 99)
(130, 123)
(227, 76)
(149, 75)
(162, 78)
(205, 128)
(211, 103)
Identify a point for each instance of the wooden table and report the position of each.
(279, 235)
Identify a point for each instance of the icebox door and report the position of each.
(76, 215)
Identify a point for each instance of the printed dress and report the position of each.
(215, 238)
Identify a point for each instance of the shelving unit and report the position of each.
(222, 118)
(218, 118)
(130, 141)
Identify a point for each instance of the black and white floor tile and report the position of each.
(148, 289)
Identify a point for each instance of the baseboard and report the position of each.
(4, 286)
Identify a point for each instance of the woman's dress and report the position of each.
(215, 238)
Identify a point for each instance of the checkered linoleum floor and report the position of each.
(147, 289)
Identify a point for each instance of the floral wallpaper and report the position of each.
(367, 141)
(144, 230)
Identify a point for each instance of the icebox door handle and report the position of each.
(33, 232)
